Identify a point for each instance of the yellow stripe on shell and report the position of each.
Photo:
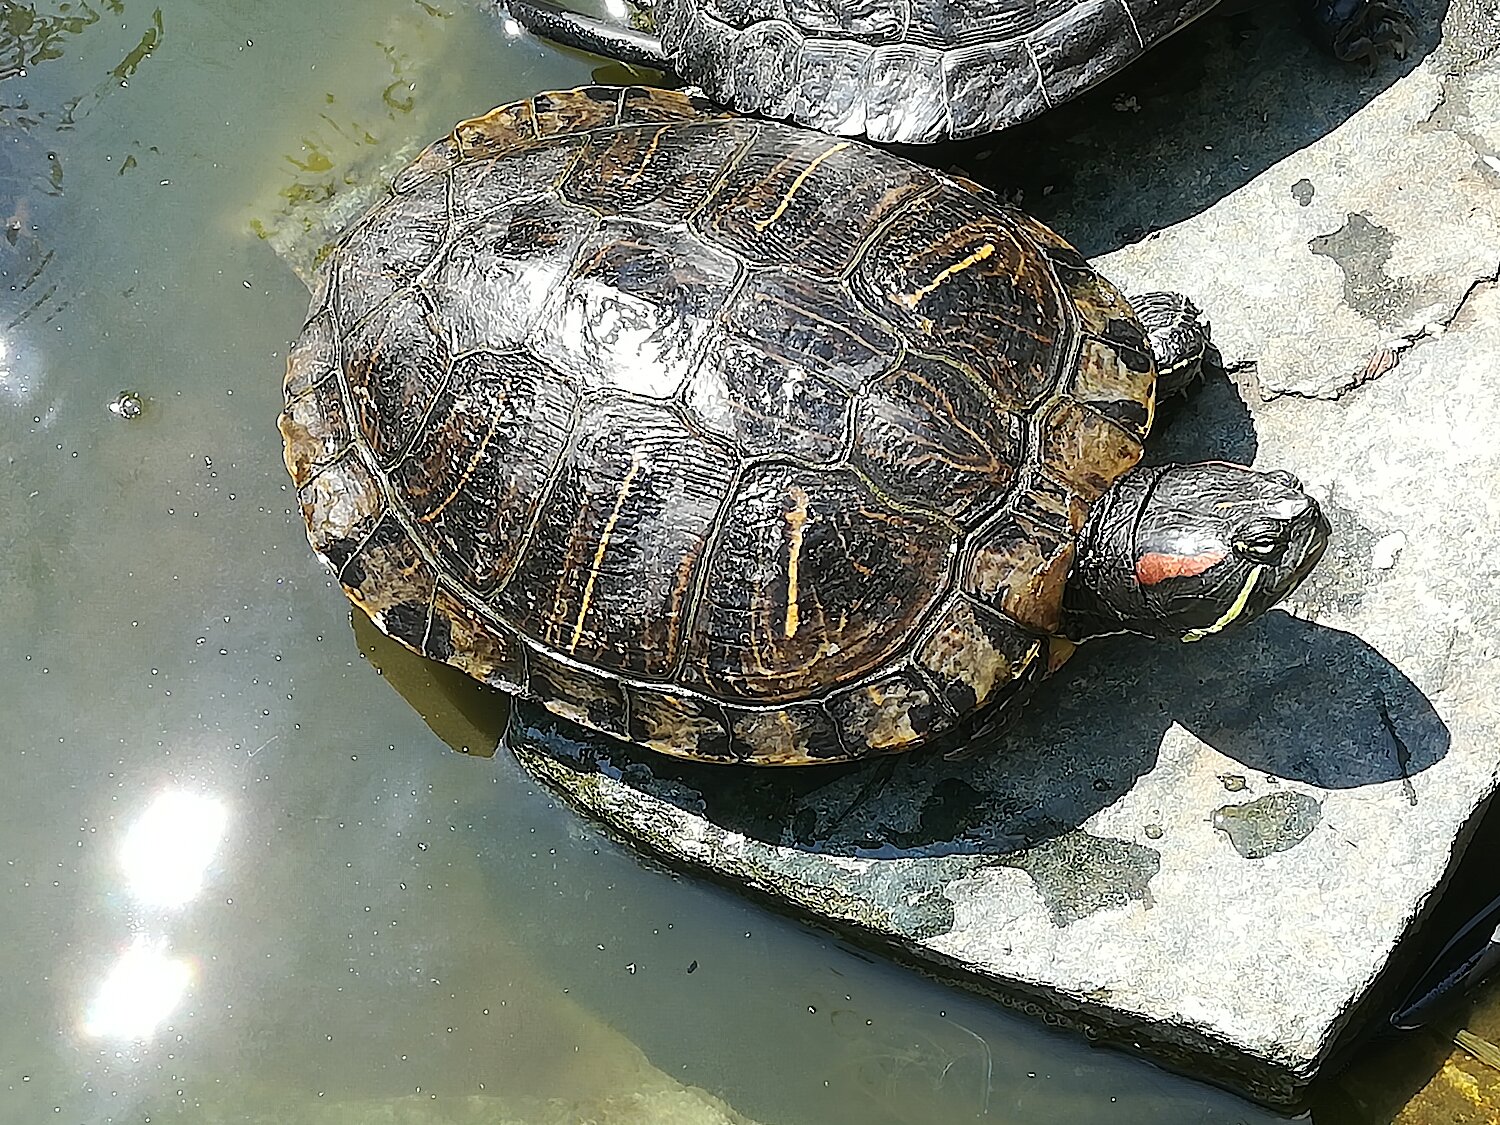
(786, 200)
(796, 521)
(637, 459)
(911, 300)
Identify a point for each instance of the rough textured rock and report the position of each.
(1347, 269)
(1210, 853)
(1316, 208)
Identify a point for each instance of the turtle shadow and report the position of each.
(1198, 117)
(1286, 707)
(1284, 698)
(1211, 421)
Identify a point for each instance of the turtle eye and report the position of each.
(1262, 541)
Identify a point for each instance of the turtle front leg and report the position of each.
(1178, 335)
(1361, 30)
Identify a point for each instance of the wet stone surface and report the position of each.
(1211, 853)
(1273, 823)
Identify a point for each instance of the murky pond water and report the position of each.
(244, 880)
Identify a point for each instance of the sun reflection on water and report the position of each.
(142, 989)
(165, 857)
(168, 850)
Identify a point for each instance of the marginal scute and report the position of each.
(476, 643)
(974, 652)
(1156, 19)
(890, 715)
(1020, 569)
(574, 111)
(341, 505)
(990, 82)
(1059, 651)
(500, 130)
(1108, 384)
(829, 97)
(765, 69)
(676, 725)
(689, 33)
(647, 104)
(904, 98)
(794, 734)
(1071, 53)
(1086, 450)
(314, 430)
(1102, 308)
(575, 693)
(388, 575)
(1044, 502)
(409, 622)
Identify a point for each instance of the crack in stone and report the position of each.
(1382, 361)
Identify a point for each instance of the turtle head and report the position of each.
(1183, 551)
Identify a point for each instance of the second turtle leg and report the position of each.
(550, 20)
(1361, 31)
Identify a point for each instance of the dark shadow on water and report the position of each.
(468, 716)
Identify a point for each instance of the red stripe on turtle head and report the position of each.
(1158, 567)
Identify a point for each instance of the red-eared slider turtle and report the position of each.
(750, 444)
(922, 70)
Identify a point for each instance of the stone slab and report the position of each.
(1209, 854)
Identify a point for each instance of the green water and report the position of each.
(242, 879)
